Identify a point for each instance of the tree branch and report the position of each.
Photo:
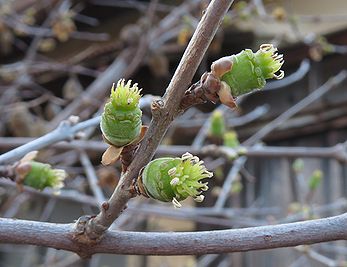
(187, 243)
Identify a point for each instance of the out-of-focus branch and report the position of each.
(338, 152)
(315, 95)
(65, 131)
(92, 178)
(329, 85)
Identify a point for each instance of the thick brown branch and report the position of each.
(187, 243)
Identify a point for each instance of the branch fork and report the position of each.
(164, 111)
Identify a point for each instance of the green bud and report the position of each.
(298, 165)
(250, 70)
(230, 139)
(174, 179)
(315, 179)
(121, 120)
(40, 175)
(217, 124)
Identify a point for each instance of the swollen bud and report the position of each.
(174, 179)
(315, 179)
(121, 120)
(247, 71)
(42, 175)
(250, 70)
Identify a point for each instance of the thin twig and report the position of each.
(314, 255)
(338, 151)
(92, 178)
(232, 175)
(65, 131)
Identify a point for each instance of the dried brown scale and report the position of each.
(8, 171)
(15, 172)
(138, 187)
(204, 90)
(127, 155)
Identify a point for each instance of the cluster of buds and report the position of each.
(174, 179)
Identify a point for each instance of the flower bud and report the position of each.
(250, 70)
(121, 119)
(174, 179)
(40, 175)
(247, 71)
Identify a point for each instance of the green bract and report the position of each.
(174, 179)
(121, 119)
(41, 175)
(250, 70)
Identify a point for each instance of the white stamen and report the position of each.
(266, 47)
(199, 198)
(172, 171)
(279, 76)
(195, 160)
(186, 156)
(176, 204)
(204, 188)
(174, 181)
(209, 174)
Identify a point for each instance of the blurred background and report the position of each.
(274, 160)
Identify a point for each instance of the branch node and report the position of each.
(83, 238)
(157, 108)
(201, 92)
(105, 206)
